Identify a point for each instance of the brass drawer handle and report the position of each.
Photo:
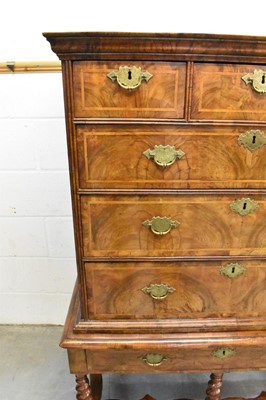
(224, 352)
(233, 270)
(164, 155)
(257, 79)
(252, 140)
(158, 291)
(129, 77)
(244, 206)
(153, 360)
(161, 225)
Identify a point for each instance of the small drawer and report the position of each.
(228, 355)
(183, 225)
(96, 95)
(158, 156)
(221, 93)
(187, 290)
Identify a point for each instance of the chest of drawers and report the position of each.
(167, 155)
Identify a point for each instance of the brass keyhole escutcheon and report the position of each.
(224, 352)
(252, 140)
(257, 80)
(233, 270)
(244, 206)
(129, 77)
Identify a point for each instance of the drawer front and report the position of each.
(138, 291)
(97, 96)
(227, 356)
(170, 157)
(219, 92)
(187, 225)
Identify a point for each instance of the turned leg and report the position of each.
(83, 388)
(214, 386)
(96, 386)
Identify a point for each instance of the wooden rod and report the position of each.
(29, 66)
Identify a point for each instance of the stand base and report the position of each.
(82, 347)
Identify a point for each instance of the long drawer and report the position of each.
(183, 225)
(170, 156)
(138, 291)
(230, 355)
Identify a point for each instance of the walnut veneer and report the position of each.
(111, 156)
(168, 179)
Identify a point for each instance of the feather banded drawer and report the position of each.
(167, 157)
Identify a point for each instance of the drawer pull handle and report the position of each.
(257, 79)
(129, 77)
(224, 352)
(244, 206)
(164, 155)
(233, 270)
(252, 140)
(153, 360)
(161, 225)
(158, 291)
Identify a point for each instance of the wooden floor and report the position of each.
(34, 367)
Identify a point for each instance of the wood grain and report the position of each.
(215, 386)
(112, 157)
(73, 339)
(157, 46)
(178, 359)
(186, 352)
(96, 386)
(220, 93)
(197, 101)
(163, 96)
(83, 388)
(113, 226)
(201, 291)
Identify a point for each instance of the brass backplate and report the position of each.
(244, 206)
(158, 291)
(257, 79)
(129, 77)
(164, 155)
(252, 140)
(161, 225)
(233, 270)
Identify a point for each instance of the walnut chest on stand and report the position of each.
(167, 155)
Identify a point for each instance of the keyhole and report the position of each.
(233, 270)
(129, 75)
(245, 205)
(254, 139)
(263, 79)
(224, 352)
